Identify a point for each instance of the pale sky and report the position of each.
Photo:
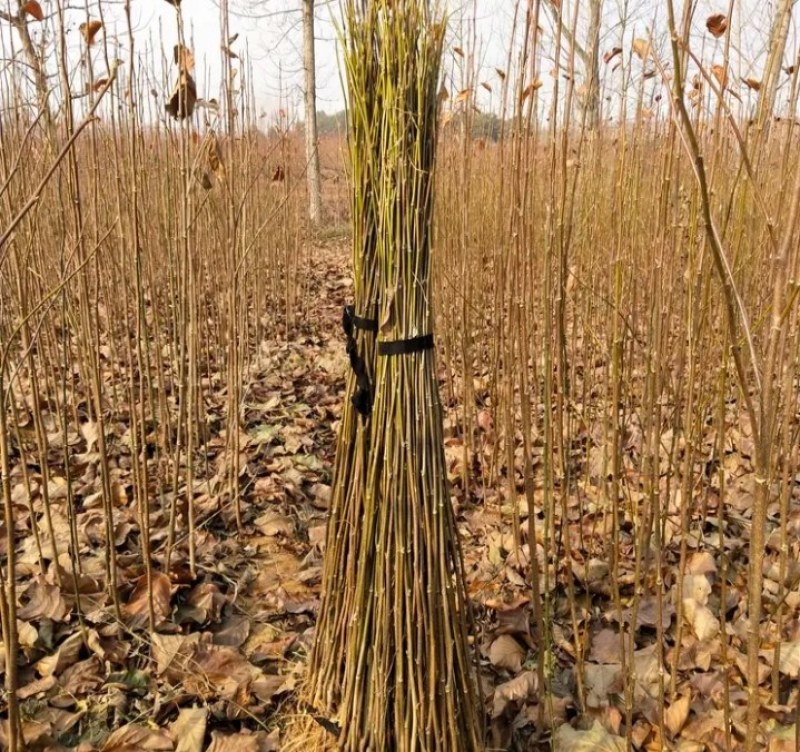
(270, 38)
(274, 39)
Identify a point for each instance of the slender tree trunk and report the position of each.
(20, 23)
(592, 65)
(312, 140)
(777, 45)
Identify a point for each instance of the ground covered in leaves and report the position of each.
(221, 669)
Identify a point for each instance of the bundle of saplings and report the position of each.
(401, 674)
(360, 328)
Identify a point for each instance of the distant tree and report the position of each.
(779, 34)
(310, 98)
(19, 19)
(588, 53)
(331, 124)
(486, 125)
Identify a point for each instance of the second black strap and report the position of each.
(406, 346)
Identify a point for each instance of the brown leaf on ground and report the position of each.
(273, 523)
(233, 632)
(133, 738)
(38, 686)
(82, 678)
(26, 634)
(596, 739)
(676, 715)
(606, 647)
(505, 652)
(137, 608)
(44, 602)
(789, 660)
(189, 729)
(233, 743)
(222, 672)
(65, 655)
(173, 654)
(208, 599)
(519, 690)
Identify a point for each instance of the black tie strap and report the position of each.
(406, 346)
(367, 325)
(362, 399)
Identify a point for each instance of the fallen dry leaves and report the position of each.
(229, 643)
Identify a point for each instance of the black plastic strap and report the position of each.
(406, 346)
(367, 325)
(362, 399)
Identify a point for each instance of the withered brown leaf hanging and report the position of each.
(184, 97)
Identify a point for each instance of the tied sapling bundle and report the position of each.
(326, 668)
(409, 678)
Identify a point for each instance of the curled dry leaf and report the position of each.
(505, 652)
(273, 523)
(208, 600)
(530, 88)
(182, 101)
(233, 742)
(485, 421)
(789, 663)
(233, 632)
(721, 74)
(520, 689)
(189, 729)
(607, 647)
(89, 30)
(717, 24)
(38, 686)
(704, 624)
(183, 58)
(26, 634)
(33, 9)
(223, 672)
(173, 654)
(752, 83)
(97, 85)
(701, 562)
(611, 54)
(601, 681)
(136, 610)
(641, 48)
(676, 715)
(65, 655)
(696, 591)
(133, 738)
(83, 678)
(44, 602)
(596, 739)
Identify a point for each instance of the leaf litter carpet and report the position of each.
(220, 672)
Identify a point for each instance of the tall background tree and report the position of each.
(310, 99)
